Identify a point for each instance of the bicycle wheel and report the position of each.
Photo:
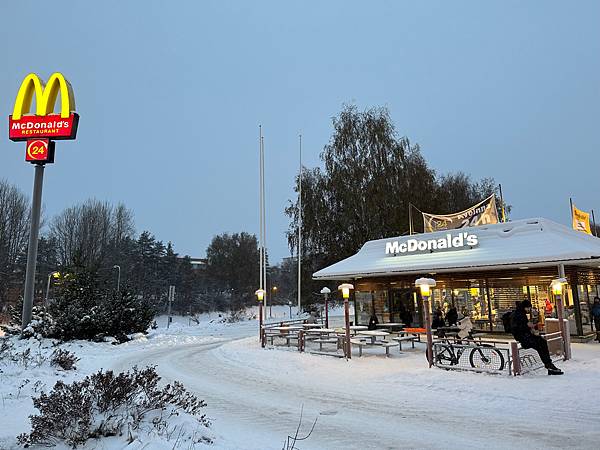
(444, 356)
(486, 357)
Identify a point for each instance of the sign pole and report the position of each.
(34, 232)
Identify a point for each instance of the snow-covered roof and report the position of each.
(524, 243)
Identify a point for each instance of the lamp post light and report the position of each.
(346, 288)
(557, 289)
(116, 266)
(50, 276)
(290, 305)
(260, 296)
(326, 291)
(425, 285)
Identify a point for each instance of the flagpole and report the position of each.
(594, 222)
(571, 203)
(300, 228)
(502, 203)
(264, 222)
(260, 236)
(410, 226)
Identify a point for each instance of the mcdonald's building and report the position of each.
(481, 271)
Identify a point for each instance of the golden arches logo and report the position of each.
(46, 95)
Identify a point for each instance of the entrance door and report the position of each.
(403, 308)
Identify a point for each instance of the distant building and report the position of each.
(198, 263)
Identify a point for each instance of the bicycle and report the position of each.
(482, 356)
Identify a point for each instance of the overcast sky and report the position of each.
(171, 94)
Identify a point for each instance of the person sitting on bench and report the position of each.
(521, 330)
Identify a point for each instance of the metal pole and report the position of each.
(594, 223)
(502, 204)
(264, 224)
(47, 290)
(300, 229)
(571, 203)
(347, 347)
(410, 225)
(171, 298)
(34, 232)
(559, 310)
(428, 330)
(260, 238)
(116, 266)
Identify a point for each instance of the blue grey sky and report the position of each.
(171, 94)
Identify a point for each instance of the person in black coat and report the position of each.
(373, 321)
(452, 316)
(521, 330)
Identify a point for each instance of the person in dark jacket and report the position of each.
(596, 316)
(521, 330)
(373, 321)
(438, 318)
(452, 316)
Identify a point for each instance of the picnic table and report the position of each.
(373, 334)
(391, 325)
(308, 326)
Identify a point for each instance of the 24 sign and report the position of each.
(40, 151)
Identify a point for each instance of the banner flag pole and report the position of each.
(594, 222)
(410, 226)
(502, 203)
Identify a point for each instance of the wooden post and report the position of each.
(260, 321)
(347, 347)
(428, 330)
(561, 324)
(516, 361)
(326, 311)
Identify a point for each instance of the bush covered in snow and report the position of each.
(103, 404)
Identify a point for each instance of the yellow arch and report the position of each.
(46, 96)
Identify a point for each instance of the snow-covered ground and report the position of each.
(255, 395)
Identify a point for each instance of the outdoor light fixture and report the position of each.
(326, 291)
(474, 292)
(260, 294)
(345, 288)
(425, 285)
(557, 285)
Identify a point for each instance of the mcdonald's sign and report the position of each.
(45, 123)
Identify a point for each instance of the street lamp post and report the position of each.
(345, 288)
(326, 291)
(260, 295)
(290, 305)
(50, 276)
(273, 296)
(425, 285)
(557, 289)
(116, 266)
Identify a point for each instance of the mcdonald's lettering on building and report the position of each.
(23, 124)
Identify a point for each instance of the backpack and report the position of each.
(507, 320)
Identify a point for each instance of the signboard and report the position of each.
(483, 213)
(458, 241)
(45, 123)
(40, 150)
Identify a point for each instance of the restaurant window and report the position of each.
(368, 301)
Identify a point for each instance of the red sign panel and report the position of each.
(51, 126)
(38, 150)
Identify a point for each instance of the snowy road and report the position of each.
(255, 396)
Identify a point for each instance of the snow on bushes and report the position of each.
(127, 405)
